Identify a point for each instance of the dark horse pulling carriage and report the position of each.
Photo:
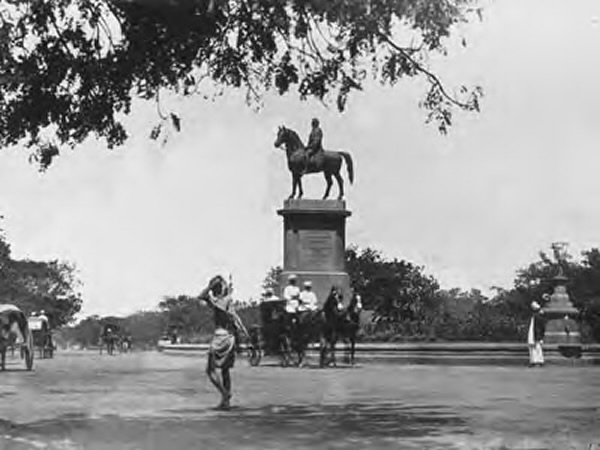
(42, 336)
(287, 336)
(109, 337)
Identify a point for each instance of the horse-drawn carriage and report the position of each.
(287, 336)
(14, 330)
(273, 337)
(42, 335)
(110, 337)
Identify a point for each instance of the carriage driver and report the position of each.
(43, 315)
(291, 295)
(308, 299)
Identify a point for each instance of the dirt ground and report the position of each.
(149, 400)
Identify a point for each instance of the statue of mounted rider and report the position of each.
(314, 147)
(312, 158)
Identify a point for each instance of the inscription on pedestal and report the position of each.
(317, 249)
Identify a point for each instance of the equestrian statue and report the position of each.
(312, 158)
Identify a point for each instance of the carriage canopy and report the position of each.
(6, 311)
(38, 323)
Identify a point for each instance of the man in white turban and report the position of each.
(535, 336)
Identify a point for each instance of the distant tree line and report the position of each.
(402, 303)
(406, 304)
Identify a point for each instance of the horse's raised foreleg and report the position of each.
(340, 182)
(329, 182)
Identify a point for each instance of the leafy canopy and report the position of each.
(69, 69)
(52, 286)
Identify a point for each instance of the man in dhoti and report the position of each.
(535, 335)
(228, 326)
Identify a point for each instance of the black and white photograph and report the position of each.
(299, 224)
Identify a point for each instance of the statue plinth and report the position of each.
(562, 327)
(314, 244)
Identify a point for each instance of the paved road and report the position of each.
(157, 401)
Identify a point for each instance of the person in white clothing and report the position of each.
(535, 336)
(291, 295)
(308, 299)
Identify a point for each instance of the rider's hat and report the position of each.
(291, 277)
(308, 283)
(269, 291)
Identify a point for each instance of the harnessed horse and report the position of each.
(340, 324)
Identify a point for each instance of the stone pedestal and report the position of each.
(562, 327)
(314, 244)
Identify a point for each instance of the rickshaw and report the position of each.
(42, 336)
(14, 327)
(272, 336)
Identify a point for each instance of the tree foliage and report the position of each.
(51, 286)
(396, 290)
(69, 69)
(272, 278)
(583, 285)
(187, 315)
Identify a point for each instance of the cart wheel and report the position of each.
(254, 356)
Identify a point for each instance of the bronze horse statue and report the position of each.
(328, 162)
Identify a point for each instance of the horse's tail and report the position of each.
(349, 165)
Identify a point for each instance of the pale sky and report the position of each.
(145, 221)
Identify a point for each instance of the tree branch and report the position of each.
(431, 77)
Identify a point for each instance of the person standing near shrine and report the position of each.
(535, 335)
